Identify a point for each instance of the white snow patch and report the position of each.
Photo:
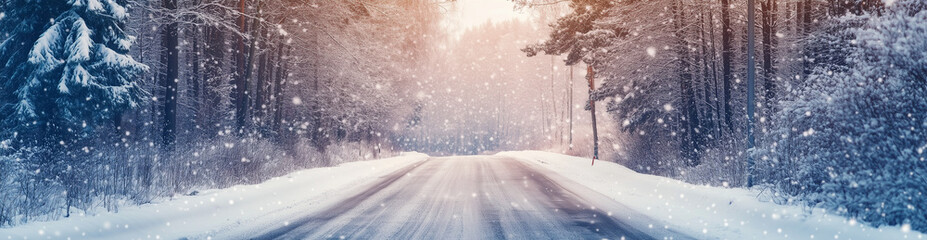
(229, 213)
(706, 212)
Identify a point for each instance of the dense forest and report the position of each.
(840, 95)
(109, 102)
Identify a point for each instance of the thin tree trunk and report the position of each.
(260, 83)
(806, 27)
(553, 100)
(278, 89)
(318, 133)
(570, 106)
(194, 80)
(595, 131)
(714, 74)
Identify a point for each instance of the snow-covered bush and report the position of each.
(110, 177)
(10, 197)
(853, 139)
(25, 191)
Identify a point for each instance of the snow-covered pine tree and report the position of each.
(66, 68)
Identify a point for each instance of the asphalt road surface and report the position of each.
(476, 197)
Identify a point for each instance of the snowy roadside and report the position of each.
(707, 212)
(221, 212)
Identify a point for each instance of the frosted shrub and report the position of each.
(853, 140)
(109, 177)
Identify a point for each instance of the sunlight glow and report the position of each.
(464, 14)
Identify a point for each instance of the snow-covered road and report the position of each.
(478, 197)
(511, 195)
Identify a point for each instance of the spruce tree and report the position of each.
(66, 68)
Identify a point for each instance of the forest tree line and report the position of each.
(107, 102)
(840, 95)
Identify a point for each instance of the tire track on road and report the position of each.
(341, 207)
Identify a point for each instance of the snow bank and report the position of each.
(221, 212)
(708, 212)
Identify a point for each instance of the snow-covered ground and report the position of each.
(221, 212)
(708, 212)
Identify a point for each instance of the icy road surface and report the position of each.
(477, 197)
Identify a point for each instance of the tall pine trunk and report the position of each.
(727, 50)
(169, 56)
(240, 95)
(769, 85)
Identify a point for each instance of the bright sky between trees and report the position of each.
(464, 14)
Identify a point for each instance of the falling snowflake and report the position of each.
(652, 51)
